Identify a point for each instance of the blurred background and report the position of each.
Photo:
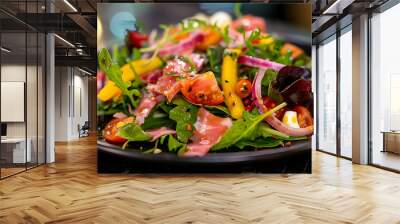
(289, 21)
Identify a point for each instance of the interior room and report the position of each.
(50, 133)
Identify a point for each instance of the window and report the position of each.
(385, 89)
(346, 92)
(327, 96)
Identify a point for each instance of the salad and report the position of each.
(208, 84)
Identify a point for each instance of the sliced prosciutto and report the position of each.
(209, 130)
(198, 60)
(178, 67)
(148, 101)
(184, 66)
(159, 132)
(168, 86)
(151, 77)
(185, 46)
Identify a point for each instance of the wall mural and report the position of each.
(208, 87)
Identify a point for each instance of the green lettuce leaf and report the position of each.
(174, 145)
(244, 129)
(133, 132)
(156, 122)
(185, 114)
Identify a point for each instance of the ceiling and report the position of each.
(332, 15)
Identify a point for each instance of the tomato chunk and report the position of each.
(304, 117)
(202, 89)
(110, 132)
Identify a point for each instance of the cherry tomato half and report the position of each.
(202, 89)
(270, 103)
(243, 88)
(304, 117)
(111, 130)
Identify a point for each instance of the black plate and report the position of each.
(113, 158)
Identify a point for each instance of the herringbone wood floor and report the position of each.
(70, 191)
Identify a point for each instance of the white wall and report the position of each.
(34, 125)
(71, 102)
(16, 73)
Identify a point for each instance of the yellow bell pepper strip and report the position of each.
(108, 92)
(229, 78)
(140, 67)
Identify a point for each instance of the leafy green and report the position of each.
(285, 59)
(265, 131)
(244, 128)
(274, 94)
(185, 114)
(214, 55)
(133, 132)
(120, 55)
(174, 145)
(110, 108)
(191, 24)
(136, 55)
(269, 77)
(166, 107)
(259, 143)
(225, 35)
(251, 48)
(156, 122)
(218, 109)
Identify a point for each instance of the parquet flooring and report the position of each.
(71, 191)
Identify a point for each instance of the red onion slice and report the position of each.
(256, 93)
(272, 120)
(280, 126)
(259, 63)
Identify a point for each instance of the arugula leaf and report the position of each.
(110, 108)
(166, 107)
(259, 143)
(251, 48)
(225, 35)
(285, 59)
(174, 145)
(191, 24)
(156, 122)
(243, 128)
(218, 109)
(274, 94)
(270, 75)
(185, 114)
(265, 131)
(214, 55)
(136, 55)
(133, 132)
